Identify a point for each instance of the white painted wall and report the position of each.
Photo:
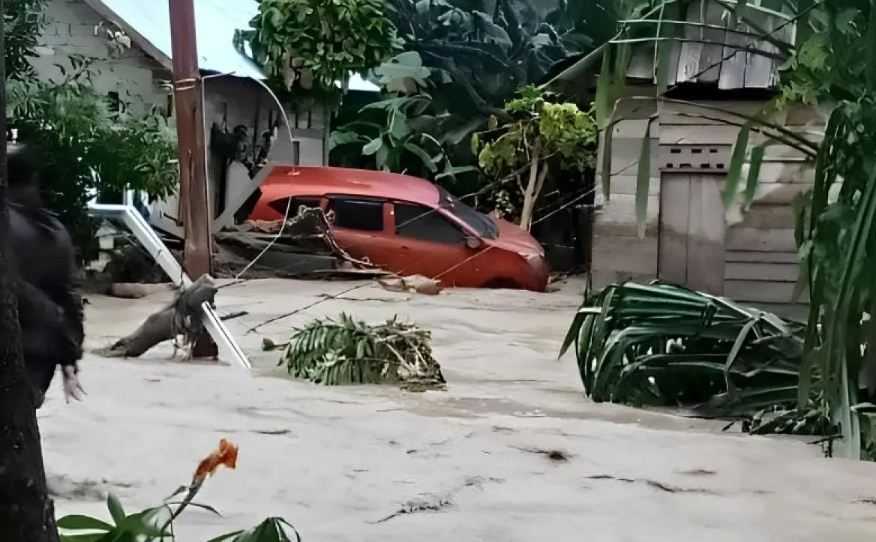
(70, 31)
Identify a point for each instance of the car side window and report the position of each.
(357, 214)
(279, 205)
(424, 224)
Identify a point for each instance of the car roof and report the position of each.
(285, 181)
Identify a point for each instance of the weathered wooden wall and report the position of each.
(760, 264)
(618, 252)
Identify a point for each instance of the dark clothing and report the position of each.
(49, 304)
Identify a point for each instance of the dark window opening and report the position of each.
(115, 102)
(421, 223)
(364, 215)
(281, 204)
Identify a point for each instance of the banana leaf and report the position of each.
(664, 345)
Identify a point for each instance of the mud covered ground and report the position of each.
(512, 451)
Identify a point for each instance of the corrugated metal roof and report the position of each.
(216, 22)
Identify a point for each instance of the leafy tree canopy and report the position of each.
(316, 43)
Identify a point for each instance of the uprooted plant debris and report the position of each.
(347, 351)
(664, 345)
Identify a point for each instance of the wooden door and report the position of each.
(692, 231)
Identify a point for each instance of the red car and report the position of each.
(409, 226)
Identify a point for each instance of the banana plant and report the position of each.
(396, 133)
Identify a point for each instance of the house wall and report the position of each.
(618, 251)
(760, 255)
(136, 77)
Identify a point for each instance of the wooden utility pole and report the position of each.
(26, 511)
(187, 83)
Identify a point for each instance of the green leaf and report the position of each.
(871, 49)
(643, 181)
(607, 144)
(373, 146)
(424, 156)
(757, 154)
(737, 160)
(99, 537)
(115, 509)
(83, 523)
(604, 101)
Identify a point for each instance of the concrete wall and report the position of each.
(70, 31)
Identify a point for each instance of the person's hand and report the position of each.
(72, 387)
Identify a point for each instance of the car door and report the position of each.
(361, 227)
(429, 244)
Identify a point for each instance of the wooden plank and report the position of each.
(733, 69)
(761, 292)
(689, 62)
(626, 184)
(671, 110)
(713, 53)
(625, 254)
(739, 256)
(602, 278)
(787, 172)
(632, 129)
(625, 154)
(698, 135)
(768, 217)
(706, 232)
(776, 272)
(798, 312)
(754, 240)
(618, 216)
(690, 52)
(674, 225)
(762, 71)
(642, 62)
(779, 193)
(783, 153)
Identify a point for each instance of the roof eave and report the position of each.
(148, 47)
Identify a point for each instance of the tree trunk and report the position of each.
(537, 174)
(181, 318)
(26, 512)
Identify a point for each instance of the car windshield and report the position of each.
(484, 225)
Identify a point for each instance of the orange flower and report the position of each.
(225, 455)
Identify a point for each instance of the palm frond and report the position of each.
(346, 351)
(664, 345)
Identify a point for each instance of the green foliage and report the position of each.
(487, 50)
(156, 525)
(396, 133)
(270, 530)
(314, 43)
(833, 66)
(146, 526)
(346, 351)
(84, 147)
(24, 20)
(663, 345)
(540, 134)
(561, 130)
(470, 57)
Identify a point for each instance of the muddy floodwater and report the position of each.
(512, 451)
